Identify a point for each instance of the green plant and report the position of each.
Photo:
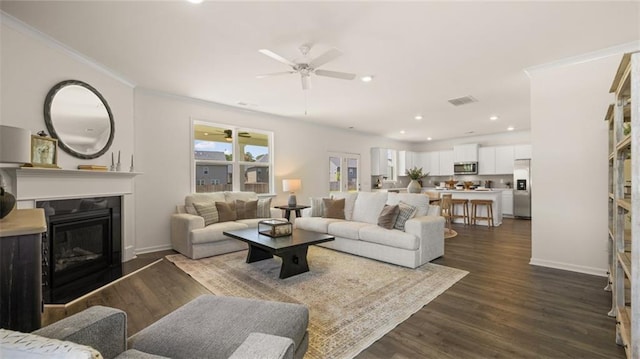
(626, 128)
(415, 173)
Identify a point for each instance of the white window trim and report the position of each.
(236, 163)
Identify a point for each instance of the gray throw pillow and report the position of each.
(333, 208)
(264, 208)
(226, 211)
(246, 209)
(388, 216)
(208, 211)
(317, 207)
(406, 212)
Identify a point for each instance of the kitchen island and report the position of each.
(493, 195)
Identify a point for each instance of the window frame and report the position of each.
(237, 156)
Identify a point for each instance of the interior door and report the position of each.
(344, 172)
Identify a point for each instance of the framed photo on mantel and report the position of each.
(44, 152)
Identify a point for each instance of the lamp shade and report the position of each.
(15, 145)
(291, 185)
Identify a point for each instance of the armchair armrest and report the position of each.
(264, 346)
(102, 328)
(181, 226)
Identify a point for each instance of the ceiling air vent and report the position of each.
(463, 100)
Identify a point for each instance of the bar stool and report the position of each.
(474, 211)
(465, 209)
(445, 209)
(434, 197)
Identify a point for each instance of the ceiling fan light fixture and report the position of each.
(228, 139)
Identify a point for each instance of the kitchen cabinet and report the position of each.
(379, 161)
(487, 161)
(406, 160)
(465, 153)
(507, 202)
(624, 198)
(504, 160)
(522, 152)
(446, 163)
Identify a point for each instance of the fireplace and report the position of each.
(82, 247)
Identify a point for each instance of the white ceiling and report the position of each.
(420, 53)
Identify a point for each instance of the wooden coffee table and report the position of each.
(292, 249)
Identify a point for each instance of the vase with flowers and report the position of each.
(415, 174)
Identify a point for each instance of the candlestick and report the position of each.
(113, 164)
(118, 165)
(131, 168)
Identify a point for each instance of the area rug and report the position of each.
(352, 301)
(449, 233)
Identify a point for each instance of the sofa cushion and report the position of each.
(208, 211)
(333, 208)
(213, 233)
(315, 224)
(251, 222)
(406, 212)
(30, 346)
(346, 229)
(388, 216)
(243, 196)
(368, 206)
(317, 206)
(246, 209)
(226, 211)
(389, 237)
(420, 201)
(350, 201)
(201, 198)
(264, 208)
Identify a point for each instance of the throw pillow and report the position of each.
(264, 208)
(208, 211)
(317, 207)
(191, 210)
(405, 213)
(388, 216)
(333, 208)
(246, 210)
(24, 345)
(226, 211)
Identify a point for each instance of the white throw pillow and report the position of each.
(368, 206)
(349, 202)
(30, 346)
(418, 200)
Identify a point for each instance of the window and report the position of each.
(341, 180)
(231, 159)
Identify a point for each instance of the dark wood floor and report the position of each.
(504, 308)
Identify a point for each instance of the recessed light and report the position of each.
(429, 138)
(366, 78)
(195, 1)
(493, 118)
(418, 117)
(510, 128)
(402, 132)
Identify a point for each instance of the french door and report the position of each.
(344, 172)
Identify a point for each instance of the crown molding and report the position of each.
(587, 57)
(29, 30)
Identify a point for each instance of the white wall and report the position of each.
(163, 152)
(30, 65)
(569, 174)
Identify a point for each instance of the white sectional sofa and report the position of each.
(191, 237)
(421, 241)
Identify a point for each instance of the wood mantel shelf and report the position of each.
(35, 171)
(22, 222)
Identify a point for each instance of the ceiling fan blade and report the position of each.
(336, 74)
(277, 57)
(305, 82)
(324, 58)
(275, 74)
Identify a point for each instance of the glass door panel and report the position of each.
(344, 172)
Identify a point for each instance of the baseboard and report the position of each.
(163, 247)
(600, 272)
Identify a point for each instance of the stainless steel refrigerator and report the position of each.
(522, 188)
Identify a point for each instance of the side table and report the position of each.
(287, 211)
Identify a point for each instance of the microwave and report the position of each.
(465, 168)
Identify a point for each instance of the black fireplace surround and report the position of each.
(82, 249)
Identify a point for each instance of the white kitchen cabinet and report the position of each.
(422, 160)
(446, 163)
(507, 202)
(504, 160)
(487, 161)
(522, 152)
(406, 160)
(465, 153)
(379, 162)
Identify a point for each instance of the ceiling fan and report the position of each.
(306, 67)
(229, 138)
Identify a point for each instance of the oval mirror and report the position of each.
(80, 118)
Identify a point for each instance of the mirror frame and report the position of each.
(52, 131)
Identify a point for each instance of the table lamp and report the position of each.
(15, 147)
(291, 186)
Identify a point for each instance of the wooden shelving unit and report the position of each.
(624, 200)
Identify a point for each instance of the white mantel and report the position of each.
(29, 185)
